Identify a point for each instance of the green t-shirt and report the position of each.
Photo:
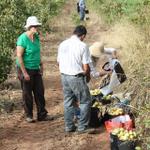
(31, 56)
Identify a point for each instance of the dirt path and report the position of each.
(16, 134)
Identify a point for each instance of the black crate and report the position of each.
(116, 144)
(113, 142)
(95, 118)
(127, 145)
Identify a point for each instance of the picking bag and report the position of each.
(117, 77)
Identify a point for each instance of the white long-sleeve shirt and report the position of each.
(94, 73)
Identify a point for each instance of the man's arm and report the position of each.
(20, 51)
(86, 69)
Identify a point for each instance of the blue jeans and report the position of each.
(82, 13)
(75, 88)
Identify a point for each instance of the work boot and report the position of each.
(87, 130)
(47, 118)
(71, 130)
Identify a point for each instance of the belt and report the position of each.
(80, 75)
(77, 75)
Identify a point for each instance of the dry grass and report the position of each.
(134, 56)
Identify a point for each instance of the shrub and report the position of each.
(13, 14)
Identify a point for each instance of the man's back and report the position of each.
(72, 53)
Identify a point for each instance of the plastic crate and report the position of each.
(127, 145)
(113, 142)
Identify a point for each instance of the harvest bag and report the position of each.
(117, 77)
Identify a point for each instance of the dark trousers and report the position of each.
(33, 89)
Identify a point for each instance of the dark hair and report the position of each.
(80, 30)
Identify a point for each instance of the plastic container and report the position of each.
(113, 142)
(110, 125)
(127, 145)
(95, 119)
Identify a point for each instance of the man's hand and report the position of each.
(88, 77)
(86, 69)
(26, 76)
(103, 72)
(41, 68)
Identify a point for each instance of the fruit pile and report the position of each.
(97, 104)
(107, 97)
(95, 92)
(115, 111)
(124, 135)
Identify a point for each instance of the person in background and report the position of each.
(73, 59)
(112, 65)
(78, 8)
(82, 7)
(96, 50)
(30, 70)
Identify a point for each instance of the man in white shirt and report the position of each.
(73, 59)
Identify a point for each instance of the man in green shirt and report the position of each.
(30, 69)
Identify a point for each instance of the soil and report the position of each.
(15, 133)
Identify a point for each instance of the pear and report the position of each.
(108, 97)
(138, 148)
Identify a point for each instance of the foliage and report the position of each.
(136, 11)
(144, 126)
(13, 14)
(44, 10)
(75, 18)
(10, 24)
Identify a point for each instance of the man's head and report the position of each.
(80, 31)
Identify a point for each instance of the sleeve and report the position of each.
(109, 50)
(94, 73)
(86, 58)
(21, 42)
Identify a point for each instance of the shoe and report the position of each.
(30, 120)
(47, 118)
(71, 130)
(87, 130)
